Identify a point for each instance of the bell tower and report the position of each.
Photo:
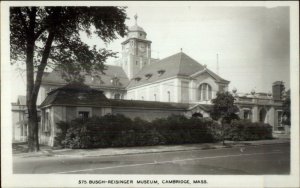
(136, 50)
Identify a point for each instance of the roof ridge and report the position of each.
(180, 62)
(190, 61)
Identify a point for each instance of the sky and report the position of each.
(252, 43)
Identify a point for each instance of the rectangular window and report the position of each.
(246, 114)
(83, 114)
(25, 130)
(279, 113)
(47, 122)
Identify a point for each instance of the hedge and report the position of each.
(244, 130)
(119, 131)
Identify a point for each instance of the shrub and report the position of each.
(118, 130)
(61, 135)
(244, 130)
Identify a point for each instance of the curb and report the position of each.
(164, 151)
(51, 153)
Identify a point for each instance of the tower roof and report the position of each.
(135, 27)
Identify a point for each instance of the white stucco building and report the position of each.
(148, 88)
(136, 76)
(151, 88)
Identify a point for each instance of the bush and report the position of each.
(61, 135)
(118, 130)
(243, 130)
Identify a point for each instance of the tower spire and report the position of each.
(135, 17)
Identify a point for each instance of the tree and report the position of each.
(44, 37)
(287, 108)
(224, 110)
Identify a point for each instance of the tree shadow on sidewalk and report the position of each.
(22, 147)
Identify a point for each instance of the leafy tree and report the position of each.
(224, 110)
(287, 108)
(44, 37)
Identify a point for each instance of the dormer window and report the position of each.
(160, 72)
(148, 76)
(115, 81)
(137, 79)
(81, 96)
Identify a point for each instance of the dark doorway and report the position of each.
(262, 115)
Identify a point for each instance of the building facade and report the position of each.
(177, 79)
(137, 76)
(19, 120)
(80, 101)
(263, 107)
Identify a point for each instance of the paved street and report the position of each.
(262, 159)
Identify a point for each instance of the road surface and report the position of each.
(263, 159)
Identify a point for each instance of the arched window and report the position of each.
(169, 96)
(197, 114)
(204, 92)
(262, 115)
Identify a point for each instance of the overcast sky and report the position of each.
(252, 42)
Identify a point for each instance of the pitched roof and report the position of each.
(111, 72)
(178, 64)
(75, 94)
(205, 107)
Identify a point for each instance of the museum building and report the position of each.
(138, 85)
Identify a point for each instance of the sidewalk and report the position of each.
(47, 152)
